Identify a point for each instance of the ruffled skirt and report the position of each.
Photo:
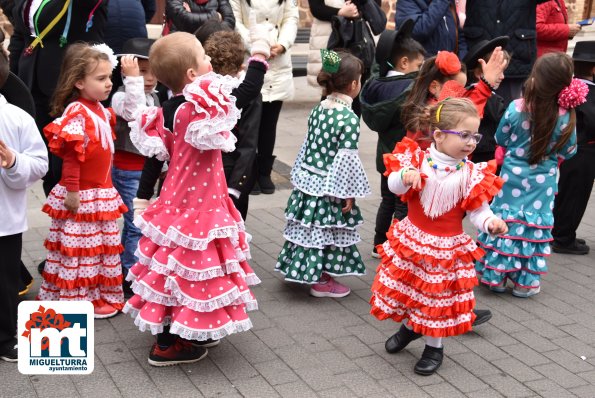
(192, 274)
(426, 279)
(83, 260)
(319, 238)
(521, 254)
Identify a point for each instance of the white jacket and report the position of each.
(319, 35)
(283, 18)
(19, 132)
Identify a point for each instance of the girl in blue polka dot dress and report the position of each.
(327, 176)
(537, 131)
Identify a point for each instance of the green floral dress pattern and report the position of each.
(319, 237)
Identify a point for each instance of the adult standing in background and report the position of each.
(189, 15)
(437, 26)
(46, 22)
(323, 12)
(488, 19)
(553, 29)
(282, 17)
(127, 19)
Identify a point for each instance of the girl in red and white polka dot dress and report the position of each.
(191, 280)
(83, 260)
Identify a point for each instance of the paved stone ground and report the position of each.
(306, 347)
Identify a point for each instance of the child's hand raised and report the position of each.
(412, 178)
(493, 70)
(497, 227)
(129, 66)
(72, 202)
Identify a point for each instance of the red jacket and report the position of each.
(552, 27)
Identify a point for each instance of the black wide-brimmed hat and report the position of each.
(18, 94)
(482, 48)
(386, 44)
(584, 51)
(138, 46)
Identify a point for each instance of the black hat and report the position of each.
(584, 51)
(386, 44)
(482, 48)
(138, 46)
(18, 94)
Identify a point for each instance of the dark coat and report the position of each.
(585, 120)
(182, 20)
(436, 24)
(488, 19)
(127, 19)
(40, 70)
(381, 100)
(492, 113)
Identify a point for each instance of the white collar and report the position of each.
(442, 158)
(392, 73)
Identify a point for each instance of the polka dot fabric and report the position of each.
(319, 237)
(192, 274)
(83, 261)
(427, 271)
(525, 203)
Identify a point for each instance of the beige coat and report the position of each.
(283, 18)
(319, 35)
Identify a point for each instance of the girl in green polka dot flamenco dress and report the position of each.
(327, 177)
(537, 131)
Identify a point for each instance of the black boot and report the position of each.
(400, 340)
(265, 167)
(430, 361)
(481, 316)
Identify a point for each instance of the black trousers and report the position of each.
(390, 207)
(267, 133)
(574, 191)
(10, 273)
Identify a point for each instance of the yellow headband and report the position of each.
(438, 112)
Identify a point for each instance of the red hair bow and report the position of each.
(448, 63)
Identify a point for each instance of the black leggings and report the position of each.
(10, 273)
(267, 133)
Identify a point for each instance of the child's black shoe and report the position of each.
(400, 340)
(430, 361)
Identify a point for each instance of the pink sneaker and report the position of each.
(330, 288)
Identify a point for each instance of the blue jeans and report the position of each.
(126, 183)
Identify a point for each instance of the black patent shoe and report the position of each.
(574, 248)
(400, 340)
(430, 361)
(481, 316)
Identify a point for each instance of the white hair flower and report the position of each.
(105, 49)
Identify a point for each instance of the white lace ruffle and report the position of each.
(319, 237)
(232, 297)
(217, 334)
(153, 296)
(174, 238)
(346, 178)
(148, 145)
(212, 127)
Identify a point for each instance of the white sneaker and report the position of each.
(523, 292)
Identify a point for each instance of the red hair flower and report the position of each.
(448, 63)
(573, 95)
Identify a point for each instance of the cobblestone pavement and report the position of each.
(301, 346)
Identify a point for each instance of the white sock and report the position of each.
(407, 325)
(435, 342)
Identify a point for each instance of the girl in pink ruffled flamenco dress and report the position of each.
(191, 280)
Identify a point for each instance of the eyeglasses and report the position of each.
(466, 136)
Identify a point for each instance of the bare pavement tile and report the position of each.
(301, 346)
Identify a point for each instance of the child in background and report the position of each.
(192, 277)
(537, 130)
(494, 107)
(444, 72)
(399, 58)
(426, 277)
(327, 177)
(577, 174)
(23, 160)
(83, 261)
(137, 93)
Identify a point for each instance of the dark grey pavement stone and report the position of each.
(209, 380)
(53, 386)
(403, 388)
(276, 372)
(98, 384)
(442, 390)
(474, 363)
(132, 380)
(233, 365)
(569, 361)
(560, 375)
(361, 383)
(12, 380)
(549, 389)
(113, 353)
(460, 378)
(352, 347)
(584, 391)
(526, 354)
(377, 367)
(255, 387)
(507, 386)
(517, 369)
